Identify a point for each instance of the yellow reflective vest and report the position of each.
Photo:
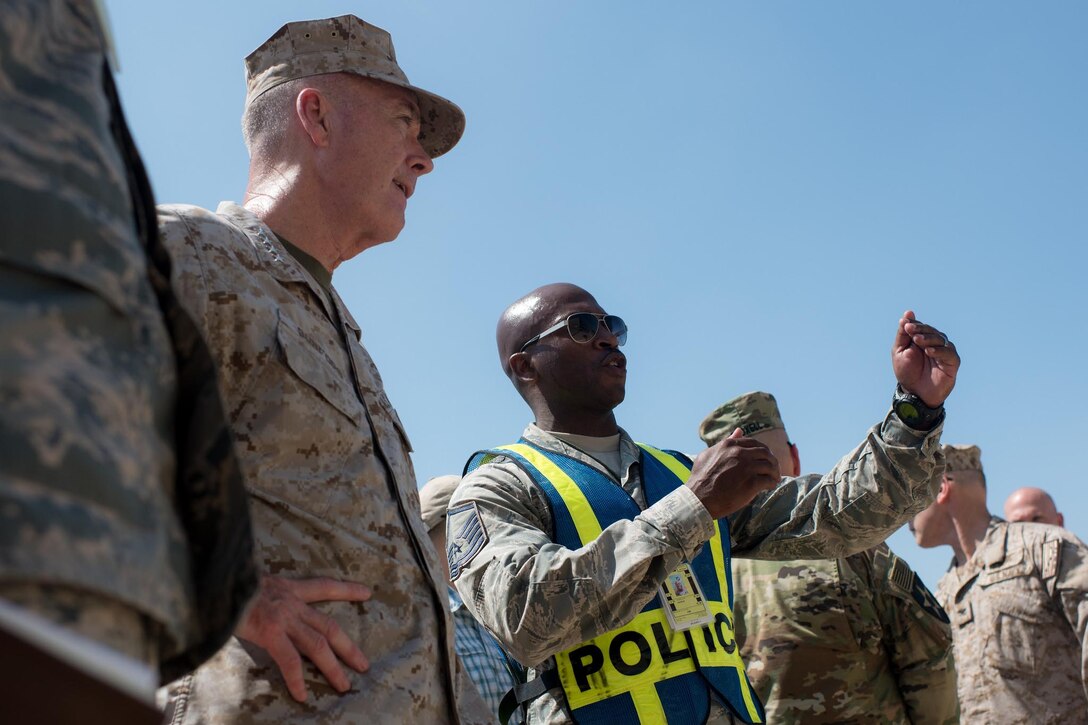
(642, 672)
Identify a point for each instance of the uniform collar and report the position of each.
(280, 263)
(989, 554)
(629, 450)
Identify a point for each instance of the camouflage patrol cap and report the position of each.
(752, 413)
(347, 44)
(434, 499)
(962, 458)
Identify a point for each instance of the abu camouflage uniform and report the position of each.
(539, 598)
(332, 489)
(858, 639)
(1019, 611)
(120, 500)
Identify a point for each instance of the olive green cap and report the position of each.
(752, 412)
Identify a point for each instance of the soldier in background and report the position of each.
(351, 622)
(835, 640)
(1017, 595)
(122, 513)
(491, 670)
(1033, 505)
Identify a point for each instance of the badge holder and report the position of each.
(683, 601)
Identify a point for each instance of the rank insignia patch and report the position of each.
(465, 537)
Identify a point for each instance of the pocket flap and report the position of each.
(315, 368)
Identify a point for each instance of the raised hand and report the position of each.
(281, 621)
(728, 475)
(924, 360)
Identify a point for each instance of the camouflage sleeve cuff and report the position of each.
(895, 432)
(682, 517)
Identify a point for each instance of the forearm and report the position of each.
(869, 493)
(538, 597)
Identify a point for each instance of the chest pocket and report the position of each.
(314, 366)
(1017, 617)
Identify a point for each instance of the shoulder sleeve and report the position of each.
(208, 278)
(917, 638)
(182, 241)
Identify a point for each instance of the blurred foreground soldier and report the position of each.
(491, 670)
(604, 564)
(122, 512)
(350, 623)
(835, 640)
(1017, 595)
(1032, 505)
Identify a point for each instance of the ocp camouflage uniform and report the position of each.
(858, 639)
(332, 489)
(1019, 611)
(122, 513)
(539, 598)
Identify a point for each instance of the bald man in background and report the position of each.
(1033, 505)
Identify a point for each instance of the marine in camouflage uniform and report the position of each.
(539, 598)
(857, 639)
(330, 478)
(122, 511)
(1017, 595)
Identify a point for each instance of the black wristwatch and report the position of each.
(913, 411)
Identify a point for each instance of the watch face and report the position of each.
(906, 411)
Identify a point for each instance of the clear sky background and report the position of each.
(759, 188)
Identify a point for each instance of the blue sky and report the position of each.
(759, 189)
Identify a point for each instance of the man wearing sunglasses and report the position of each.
(603, 564)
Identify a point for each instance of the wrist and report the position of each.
(915, 412)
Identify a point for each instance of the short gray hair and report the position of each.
(265, 120)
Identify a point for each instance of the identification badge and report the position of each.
(683, 601)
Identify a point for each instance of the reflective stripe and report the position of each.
(589, 672)
(649, 708)
(678, 469)
(585, 521)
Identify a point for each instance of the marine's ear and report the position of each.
(312, 108)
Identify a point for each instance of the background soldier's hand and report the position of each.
(281, 621)
(924, 360)
(729, 474)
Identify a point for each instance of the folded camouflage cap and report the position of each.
(347, 44)
(752, 412)
(962, 458)
(434, 499)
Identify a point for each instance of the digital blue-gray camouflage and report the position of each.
(117, 473)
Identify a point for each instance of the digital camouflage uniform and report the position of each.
(539, 598)
(332, 490)
(855, 640)
(122, 513)
(1019, 611)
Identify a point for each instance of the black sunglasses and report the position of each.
(583, 327)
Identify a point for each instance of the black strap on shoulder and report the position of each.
(526, 692)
